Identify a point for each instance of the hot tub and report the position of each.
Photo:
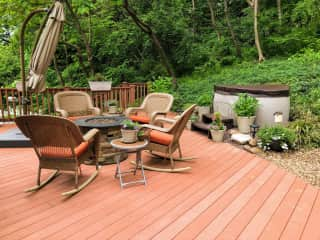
(273, 100)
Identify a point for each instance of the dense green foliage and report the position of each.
(281, 135)
(192, 43)
(199, 46)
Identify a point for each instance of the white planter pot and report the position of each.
(244, 123)
(129, 136)
(217, 135)
(189, 124)
(203, 110)
(113, 109)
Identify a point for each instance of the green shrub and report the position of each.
(307, 130)
(130, 125)
(284, 136)
(162, 84)
(245, 106)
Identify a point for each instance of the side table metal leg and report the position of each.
(118, 170)
(139, 163)
(138, 156)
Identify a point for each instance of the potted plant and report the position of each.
(129, 131)
(217, 128)
(204, 102)
(245, 108)
(113, 107)
(143, 134)
(277, 138)
(192, 119)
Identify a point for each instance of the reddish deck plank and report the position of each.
(229, 194)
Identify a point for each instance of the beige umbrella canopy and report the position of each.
(45, 48)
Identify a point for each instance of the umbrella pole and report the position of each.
(22, 60)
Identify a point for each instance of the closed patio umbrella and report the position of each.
(45, 48)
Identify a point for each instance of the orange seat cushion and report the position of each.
(139, 118)
(160, 137)
(73, 118)
(63, 152)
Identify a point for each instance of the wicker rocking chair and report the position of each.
(154, 105)
(166, 141)
(70, 104)
(59, 145)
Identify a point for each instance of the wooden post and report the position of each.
(132, 93)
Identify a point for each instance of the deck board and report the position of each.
(229, 194)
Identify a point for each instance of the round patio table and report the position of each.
(136, 147)
(109, 127)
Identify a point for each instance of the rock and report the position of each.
(253, 142)
(254, 150)
(240, 138)
(233, 131)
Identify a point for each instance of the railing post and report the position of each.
(132, 93)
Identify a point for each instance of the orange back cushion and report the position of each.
(63, 152)
(160, 137)
(139, 118)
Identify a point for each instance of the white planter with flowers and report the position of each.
(217, 129)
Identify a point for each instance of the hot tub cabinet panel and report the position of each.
(272, 99)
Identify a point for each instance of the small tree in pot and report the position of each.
(245, 108)
(217, 128)
(129, 131)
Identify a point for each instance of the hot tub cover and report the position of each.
(275, 90)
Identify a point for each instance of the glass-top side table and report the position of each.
(129, 147)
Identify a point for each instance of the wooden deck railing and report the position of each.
(42, 103)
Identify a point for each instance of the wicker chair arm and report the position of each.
(155, 114)
(95, 111)
(62, 113)
(152, 127)
(131, 110)
(90, 135)
(166, 120)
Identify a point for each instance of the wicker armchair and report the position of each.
(154, 105)
(59, 145)
(74, 103)
(166, 141)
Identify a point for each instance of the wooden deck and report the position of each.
(230, 194)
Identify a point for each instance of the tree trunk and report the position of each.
(193, 17)
(57, 71)
(230, 28)
(83, 36)
(212, 4)
(279, 11)
(256, 30)
(146, 29)
(80, 58)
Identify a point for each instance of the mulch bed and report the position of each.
(303, 163)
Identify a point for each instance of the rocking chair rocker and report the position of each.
(59, 145)
(166, 141)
